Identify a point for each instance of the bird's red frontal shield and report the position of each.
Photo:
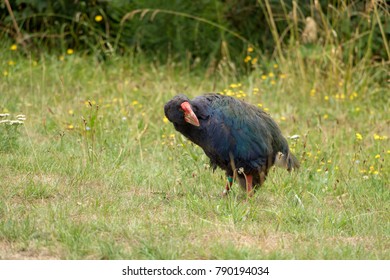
(189, 115)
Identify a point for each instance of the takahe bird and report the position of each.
(238, 137)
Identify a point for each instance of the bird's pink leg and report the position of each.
(249, 185)
(229, 184)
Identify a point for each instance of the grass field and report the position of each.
(96, 172)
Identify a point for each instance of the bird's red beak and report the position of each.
(189, 115)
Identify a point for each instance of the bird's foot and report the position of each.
(225, 193)
(249, 186)
(229, 184)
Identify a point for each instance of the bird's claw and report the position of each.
(225, 192)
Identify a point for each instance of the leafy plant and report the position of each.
(213, 34)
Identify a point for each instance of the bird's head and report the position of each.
(179, 111)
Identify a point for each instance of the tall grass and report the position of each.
(98, 173)
(208, 33)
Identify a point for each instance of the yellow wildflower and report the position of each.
(11, 62)
(13, 47)
(354, 94)
(359, 136)
(271, 74)
(312, 92)
(5, 73)
(276, 66)
(89, 102)
(61, 58)
(254, 61)
(326, 98)
(282, 118)
(378, 156)
(247, 58)
(326, 116)
(250, 49)
(165, 120)
(98, 18)
(263, 77)
(229, 93)
(135, 102)
(378, 137)
(259, 105)
(70, 126)
(70, 112)
(69, 51)
(282, 76)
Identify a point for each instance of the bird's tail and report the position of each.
(292, 162)
(288, 161)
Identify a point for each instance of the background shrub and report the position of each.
(203, 31)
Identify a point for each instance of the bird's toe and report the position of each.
(225, 193)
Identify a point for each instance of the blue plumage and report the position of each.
(234, 134)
